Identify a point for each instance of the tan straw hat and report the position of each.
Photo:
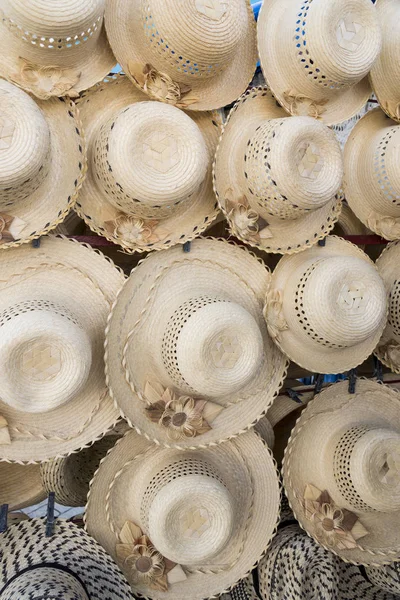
(348, 224)
(388, 264)
(347, 493)
(54, 302)
(277, 178)
(149, 180)
(315, 53)
(54, 48)
(189, 361)
(21, 485)
(326, 307)
(184, 524)
(42, 164)
(371, 173)
(196, 54)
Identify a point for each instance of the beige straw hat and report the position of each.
(388, 350)
(149, 180)
(277, 178)
(349, 224)
(196, 54)
(54, 302)
(315, 55)
(21, 485)
(184, 524)
(54, 48)
(42, 164)
(371, 173)
(346, 495)
(326, 307)
(189, 361)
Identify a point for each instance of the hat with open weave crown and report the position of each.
(371, 175)
(21, 485)
(316, 55)
(54, 302)
(346, 495)
(194, 54)
(184, 524)
(149, 181)
(326, 307)
(277, 178)
(189, 361)
(54, 48)
(42, 164)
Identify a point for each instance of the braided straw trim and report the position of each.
(289, 484)
(126, 418)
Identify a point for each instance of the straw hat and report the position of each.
(264, 428)
(371, 178)
(21, 485)
(348, 224)
(244, 590)
(189, 361)
(54, 49)
(388, 264)
(205, 512)
(277, 178)
(387, 578)
(343, 130)
(197, 54)
(347, 495)
(69, 477)
(297, 568)
(70, 565)
(42, 164)
(326, 307)
(166, 197)
(54, 302)
(315, 55)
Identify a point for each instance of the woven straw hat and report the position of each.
(348, 224)
(371, 175)
(347, 495)
(277, 178)
(326, 308)
(54, 304)
(70, 565)
(189, 361)
(42, 164)
(167, 198)
(387, 578)
(21, 485)
(388, 264)
(297, 568)
(244, 590)
(54, 48)
(203, 514)
(315, 55)
(197, 54)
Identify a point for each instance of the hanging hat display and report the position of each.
(388, 349)
(21, 485)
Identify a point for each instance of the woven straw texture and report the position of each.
(387, 577)
(388, 264)
(244, 590)
(21, 485)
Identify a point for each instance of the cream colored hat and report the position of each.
(347, 494)
(197, 54)
(326, 307)
(371, 175)
(315, 55)
(277, 178)
(388, 264)
(149, 179)
(54, 302)
(348, 224)
(54, 48)
(42, 164)
(184, 524)
(21, 485)
(189, 361)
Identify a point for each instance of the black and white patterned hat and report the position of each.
(70, 565)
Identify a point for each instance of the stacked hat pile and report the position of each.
(156, 399)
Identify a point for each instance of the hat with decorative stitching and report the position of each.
(21, 485)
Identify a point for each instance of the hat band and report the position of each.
(38, 566)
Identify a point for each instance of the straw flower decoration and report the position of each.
(5, 223)
(302, 105)
(273, 313)
(386, 227)
(245, 221)
(390, 352)
(160, 86)
(47, 82)
(133, 230)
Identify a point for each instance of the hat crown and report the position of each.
(204, 45)
(150, 157)
(43, 583)
(24, 145)
(292, 166)
(394, 303)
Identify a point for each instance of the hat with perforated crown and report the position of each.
(54, 48)
(184, 523)
(277, 178)
(347, 495)
(149, 181)
(316, 55)
(194, 54)
(326, 307)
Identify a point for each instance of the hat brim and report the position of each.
(388, 268)
(21, 485)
